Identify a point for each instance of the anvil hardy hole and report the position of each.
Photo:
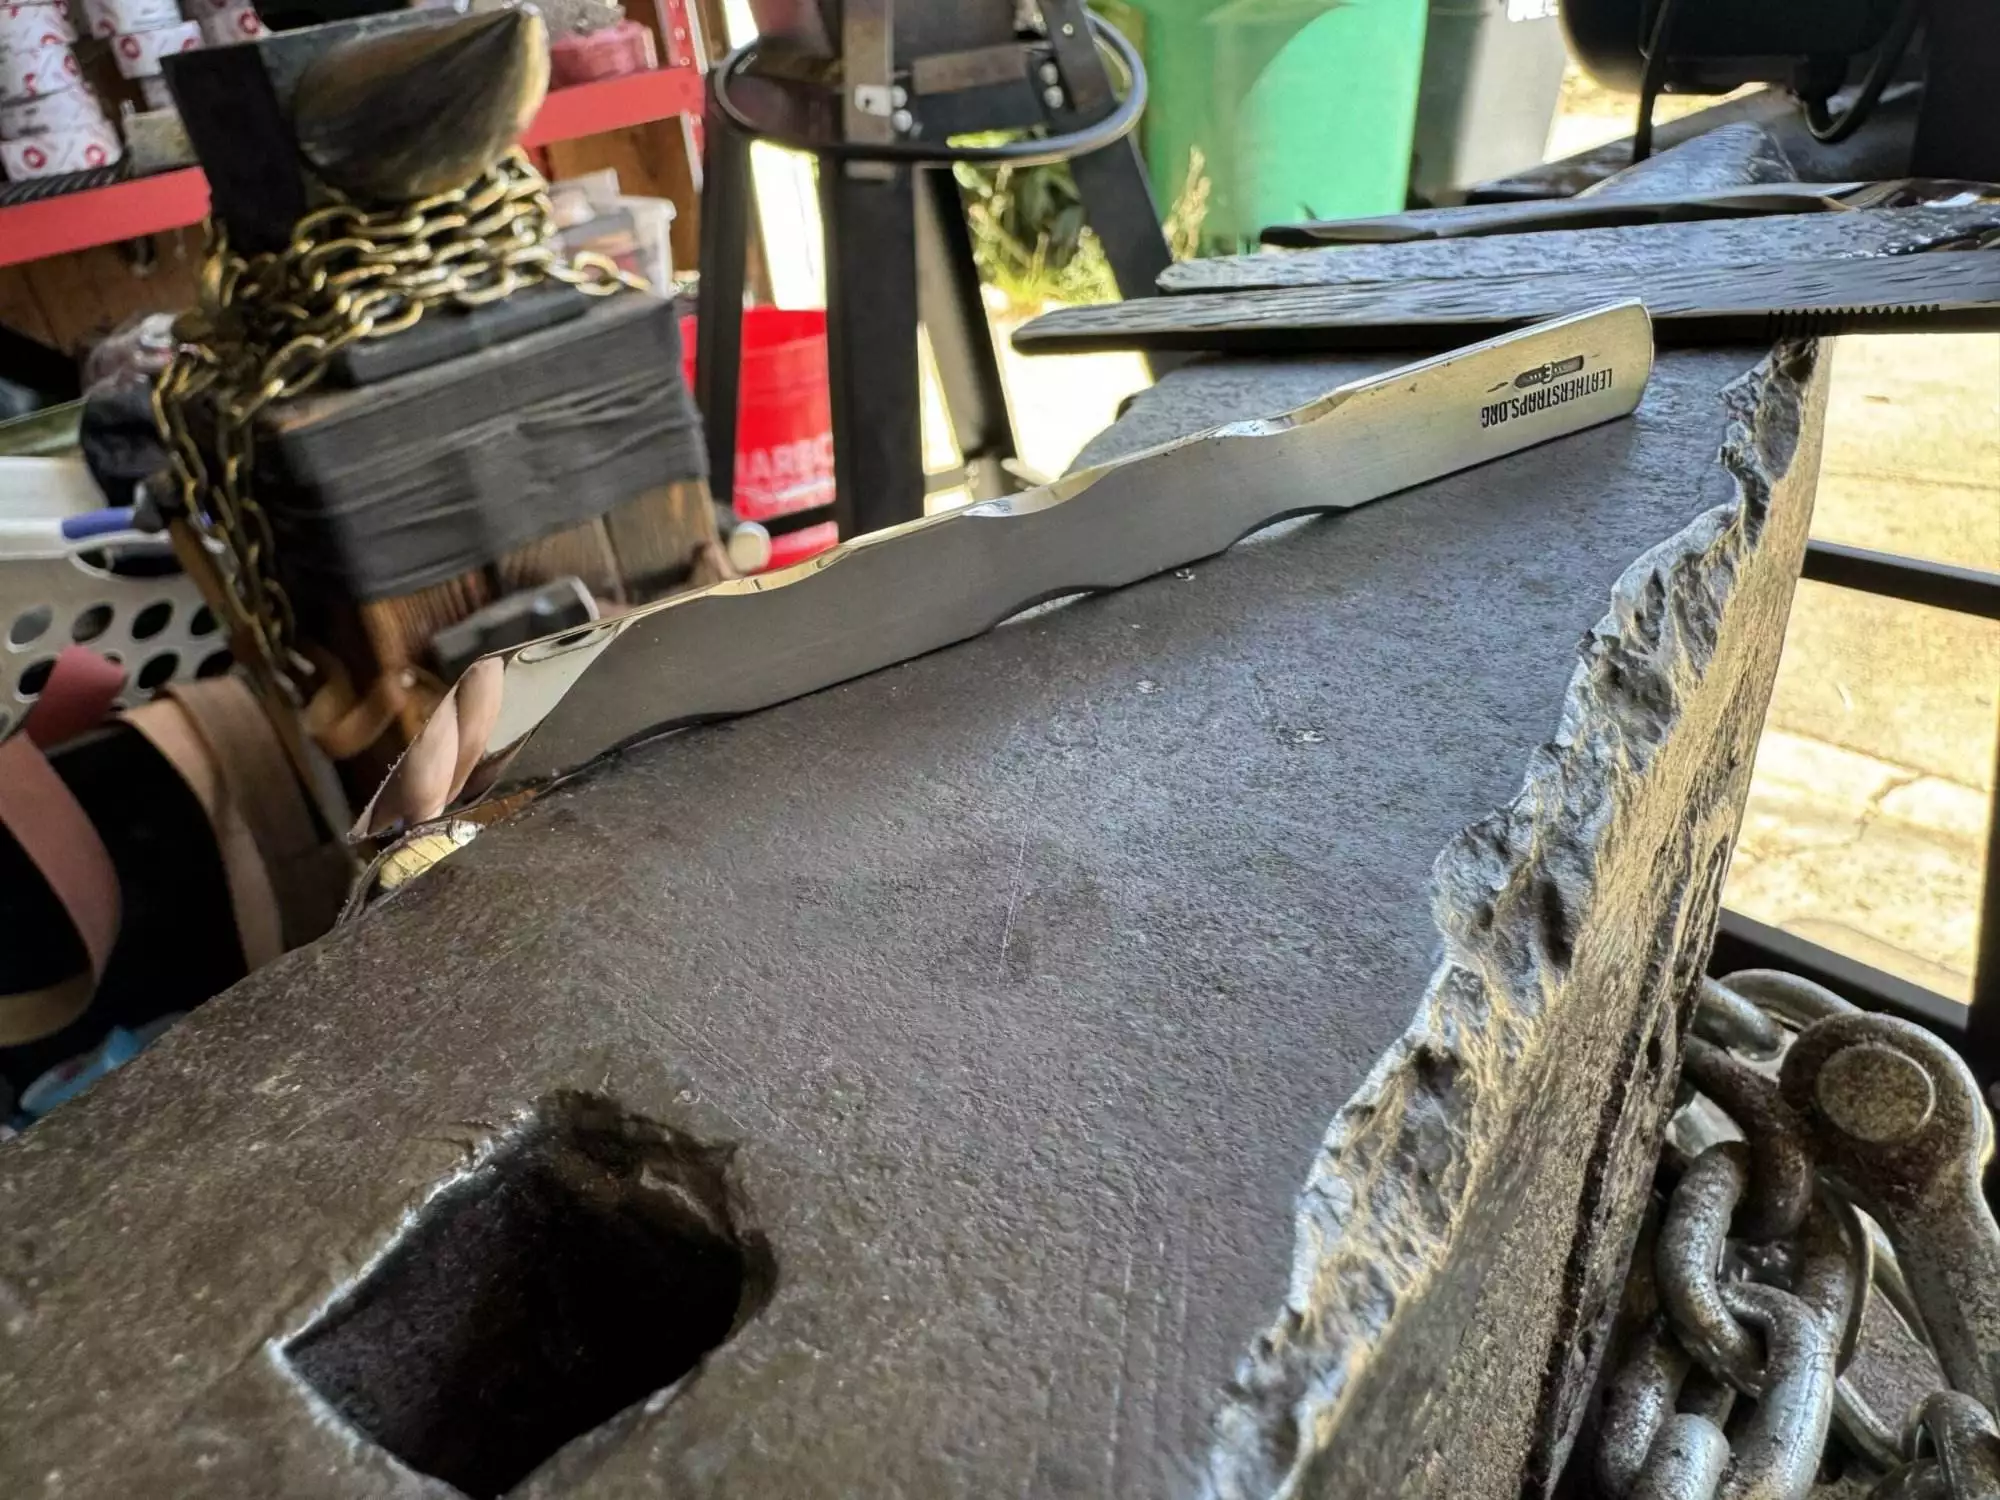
(592, 1260)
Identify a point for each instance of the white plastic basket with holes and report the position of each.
(73, 570)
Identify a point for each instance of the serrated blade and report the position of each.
(1938, 291)
(522, 717)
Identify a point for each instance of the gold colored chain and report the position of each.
(268, 326)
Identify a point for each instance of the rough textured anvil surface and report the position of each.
(1000, 1005)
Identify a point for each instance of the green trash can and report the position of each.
(1297, 108)
(1493, 73)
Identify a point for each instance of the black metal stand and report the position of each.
(898, 249)
(871, 343)
(1982, 1018)
(725, 240)
(949, 303)
(1741, 943)
(1958, 132)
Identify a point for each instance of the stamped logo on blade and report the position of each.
(1544, 373)
(1554, 383)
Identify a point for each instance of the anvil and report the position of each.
(1208, 1038)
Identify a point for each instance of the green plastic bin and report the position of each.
(1299, 108)
(1493, 73)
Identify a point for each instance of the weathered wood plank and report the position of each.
(583, 550)
(1633, 248)
(657, 537)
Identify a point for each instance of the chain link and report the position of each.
(268, 327)
(1806, 1130)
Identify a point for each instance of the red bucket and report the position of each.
(784, 424)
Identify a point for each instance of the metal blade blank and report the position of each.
(544, 709)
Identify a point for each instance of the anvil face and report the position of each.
(1195, 1038)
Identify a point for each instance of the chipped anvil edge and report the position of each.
(1370, 1242)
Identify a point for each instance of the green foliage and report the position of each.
(1030, 239)
(1190, 211)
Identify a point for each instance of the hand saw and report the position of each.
(522, 717)
(1956, 291)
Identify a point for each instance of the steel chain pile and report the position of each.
(1821, 1157)
(268, 327)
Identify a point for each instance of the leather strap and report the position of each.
(78, 695)
(305, 873)
(259, 927)
(30, 1015)
(285, 881)
(55, 833)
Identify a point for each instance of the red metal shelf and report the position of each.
(613, 104)
(174, 200)
(100, 216)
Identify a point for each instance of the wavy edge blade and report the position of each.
(527, 716)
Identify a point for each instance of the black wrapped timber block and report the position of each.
(392, 487)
